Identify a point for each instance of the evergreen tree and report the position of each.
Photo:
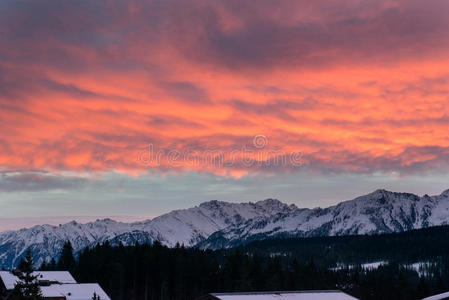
(67, 260)
(95, 297)
(52, 264)
(27, 288)
(145, 272)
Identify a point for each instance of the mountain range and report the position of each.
(216, 224)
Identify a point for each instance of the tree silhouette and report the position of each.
(67, 260)
(27, 288)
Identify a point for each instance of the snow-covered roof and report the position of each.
(10, 279)
(294, 295)
(78, 291)
(59, 276)
(438, 297)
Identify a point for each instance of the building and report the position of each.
(443, 296)
(55, 285)
(287, 295)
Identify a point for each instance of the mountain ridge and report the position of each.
(215, 224)
(185, 226)
(378, 212)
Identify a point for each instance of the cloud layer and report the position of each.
(358, 87)
(38, 181)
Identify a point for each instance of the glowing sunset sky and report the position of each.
(357, 90)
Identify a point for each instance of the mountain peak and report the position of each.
(384, 192)
(381, 192)
(269, 201)
(274, 205)
(212, 204)
(106, 220)
(445, 193)
(383, 196)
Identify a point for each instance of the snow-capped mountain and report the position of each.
(188, 227)
(216, 224)
(46, 241)
(379, 212)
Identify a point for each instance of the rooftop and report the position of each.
(438, 297)
(58, 284)
(10, 279)
(287, 295)
(77, 291)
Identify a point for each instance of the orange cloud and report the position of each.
(356, 87)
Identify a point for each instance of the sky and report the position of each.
(130, 109)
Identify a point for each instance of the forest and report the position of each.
(158, 272)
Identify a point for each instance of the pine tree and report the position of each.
(52, 265)
(95, 297)
(66, 260)
(43, 267)
(27, 288)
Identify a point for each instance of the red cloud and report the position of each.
(357, 87)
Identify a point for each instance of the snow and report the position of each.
(78, 291)
(58, 276)
(66, 285)
(373, 265)
(10, 279)
(300, 295)
(420, 267)
(190, 226)
(438, 297)
(365, 266)
(379, 212)
(187, 226)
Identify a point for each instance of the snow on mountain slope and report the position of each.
(191, 226)
(188, 227)
(46, 241)
(217, 224)
(379, 212)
